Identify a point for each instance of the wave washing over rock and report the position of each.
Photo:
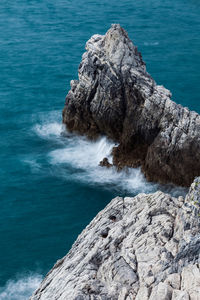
(142, 248)
(81, 155)
(116, 97)
(145, 247)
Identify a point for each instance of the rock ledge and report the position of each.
(142, 248)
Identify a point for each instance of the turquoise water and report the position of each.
(51, 186)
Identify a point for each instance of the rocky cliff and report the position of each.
(142, 248)
(116, 97)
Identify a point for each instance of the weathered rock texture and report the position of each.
(142, 248)
(116, 97)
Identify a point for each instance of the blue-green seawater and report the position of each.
(51, 186)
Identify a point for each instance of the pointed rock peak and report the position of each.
(116, 47)
(117, 30)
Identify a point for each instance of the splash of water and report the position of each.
(49, 130)
(84, 156)
(78, 159)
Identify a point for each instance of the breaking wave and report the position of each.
(84, 156)
(78, 159)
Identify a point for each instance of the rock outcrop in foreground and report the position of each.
(116, 97)
(142, 248)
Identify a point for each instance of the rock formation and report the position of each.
(141, 248)
(146, 247)
(116, 97)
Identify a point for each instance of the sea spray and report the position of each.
(77, 159)
(21, 288)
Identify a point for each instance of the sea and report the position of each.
(51, 185)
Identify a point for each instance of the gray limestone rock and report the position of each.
(142, 248)
(116, 97)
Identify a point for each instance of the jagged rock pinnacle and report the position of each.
(116, 97)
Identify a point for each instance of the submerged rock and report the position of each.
(116, 97)
(105, 163)
(142, 248)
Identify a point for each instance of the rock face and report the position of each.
(116, 97)
(141, 248)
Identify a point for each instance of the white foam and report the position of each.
(20, 289)
(82, 153)
(84, 156)
(48, 125)
(49, 130)
(78, 159)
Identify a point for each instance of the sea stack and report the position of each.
(116, 97)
